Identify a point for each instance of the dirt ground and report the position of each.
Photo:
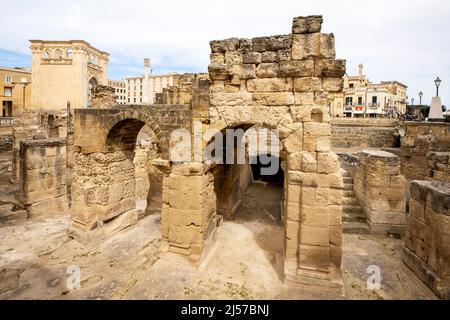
(245, 263)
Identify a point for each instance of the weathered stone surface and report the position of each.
(303, 68)
(267, 70)
(267, 85)
(268, 57)
(304, 25)
(330, 68)
(274, 98)
(307, 84)
(252, 57)
(260, 44)
(333, 84)
(220, 71)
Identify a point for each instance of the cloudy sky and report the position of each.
(399, 40)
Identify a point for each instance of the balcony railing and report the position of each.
(6, 121)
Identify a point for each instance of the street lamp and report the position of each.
(412, 101)
(437, 82)
(420, 96)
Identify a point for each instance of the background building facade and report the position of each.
(65, 71)
(143, 89)
(362, 98)
(120, 90)
(15, 91)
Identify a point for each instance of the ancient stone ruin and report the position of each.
(98, 164)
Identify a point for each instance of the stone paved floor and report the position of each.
(245, 263)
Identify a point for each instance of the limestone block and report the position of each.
(49, 208)
(333, 84)
(314, 235)
(294, 143)
(220, 71)
(245, 45)
(283, 55)
(260, 44)
(307, 84)
(315, 217)
(217, 58)
(232, 99)
(244, 71)
(252, 58)
(327, 163)
(232, 44)
(218, 46)
(314, 256)
(279, 43)
(333, 181)
(305, 25)
(267, 70)
(297, 68)
(330, 68)
(233, 57)
(269, 57)
(267, 85)
(274, 98)
(304, 99)
(323, 144)
(316, 129)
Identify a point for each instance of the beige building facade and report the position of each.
(120, 88)
(15, 91)
(66, 71)
(362, 98)
(143, 89)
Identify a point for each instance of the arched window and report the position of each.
(59, 54)
(46, 54)
(69, 53)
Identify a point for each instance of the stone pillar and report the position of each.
(427, 251)
(189, 210)
(381, 191)
(103, 188)
(43, 177)
(436, 113)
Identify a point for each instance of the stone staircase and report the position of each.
(353, 219)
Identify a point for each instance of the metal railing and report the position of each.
(7, 121)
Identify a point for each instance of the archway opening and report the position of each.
(134, 143)
(250, 197)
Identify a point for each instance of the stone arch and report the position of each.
(128, 124)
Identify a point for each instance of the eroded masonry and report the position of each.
(97, 164)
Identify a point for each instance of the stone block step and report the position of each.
(352, 209)
(355, 228)
(348, 180)
(349, 193)
(350, 201)
(344, 173)
(353, 217)
(348, 186)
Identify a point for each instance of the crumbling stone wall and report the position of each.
(381, 190)
(427, 251)
(43, 177)
(182, 90)
(364, 133)
(285, 82)
(439, 166)
(419, 139)
(103, 97)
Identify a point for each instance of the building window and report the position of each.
(7, 92)
(59, 54)
(360, 101)
(352, 85)
(8, 79)
(349, 101)
(69, 53)
(374, 100)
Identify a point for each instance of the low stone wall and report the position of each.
(364, 133)
(419, 139)
(381, 191)
(43, 177)
(427, 250)
(439, 166)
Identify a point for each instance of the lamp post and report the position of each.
(437, 82)
(420, 96)
(412, 102)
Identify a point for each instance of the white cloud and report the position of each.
(396, 40)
